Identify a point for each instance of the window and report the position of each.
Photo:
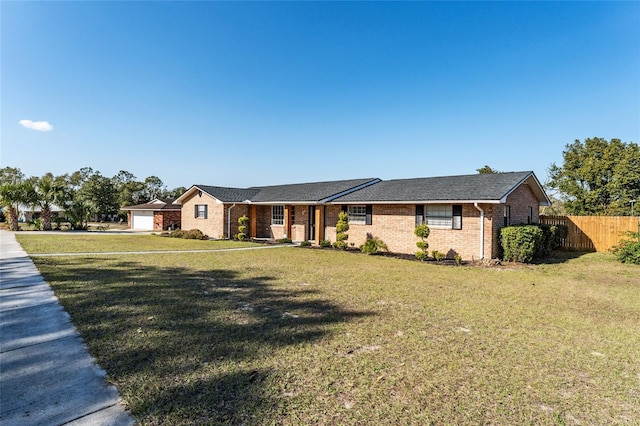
(438, 215)
(506, 213)
(357, 215)
(529, 214)
(200, 211)
(456, 210)
(277, 215)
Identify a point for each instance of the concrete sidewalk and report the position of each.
(47, 377)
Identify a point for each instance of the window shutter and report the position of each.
(457, 216)
(419, 214)
(206, 210)
(195, 211)
(369, 212)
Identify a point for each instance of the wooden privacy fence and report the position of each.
(594, 233)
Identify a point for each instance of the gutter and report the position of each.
(481, 229)
(229, 221)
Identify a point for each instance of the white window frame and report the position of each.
(202, 211)
(277, 215)
(357, 214)
(438, 216)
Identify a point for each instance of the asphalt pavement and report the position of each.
(47, 377)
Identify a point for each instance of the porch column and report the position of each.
(253, 221)
(287, 222)
(319, 224)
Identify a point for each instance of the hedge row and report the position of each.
(525, 243)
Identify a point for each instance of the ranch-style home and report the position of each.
(464, 213)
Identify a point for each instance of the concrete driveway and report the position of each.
(47, 377)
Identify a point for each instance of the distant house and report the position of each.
(31, 213)
(156, 215)
(464, 213)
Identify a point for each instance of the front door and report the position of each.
(312, 223)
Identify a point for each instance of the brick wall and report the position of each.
(163, 220)
(213, 225)
(394, 224)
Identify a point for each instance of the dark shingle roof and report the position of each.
(166, 204)
(306, 192)
(228, 195)
(447, 188)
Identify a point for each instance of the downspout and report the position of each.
(229, 221)
(481, 229)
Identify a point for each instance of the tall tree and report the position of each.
(154, 188)
(49, 191)
(487, 170)
(100, 194)
(15, 191)
(598, 177)
(130, 190)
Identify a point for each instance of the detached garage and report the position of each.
(156, 215)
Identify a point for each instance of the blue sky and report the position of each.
(242, 94)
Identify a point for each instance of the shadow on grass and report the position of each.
(560, 256)
(187, 346)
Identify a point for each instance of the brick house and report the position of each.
(464, 213)
(156, 215)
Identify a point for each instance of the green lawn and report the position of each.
(300, 336)
(102, 242)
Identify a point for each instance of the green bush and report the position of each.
(438, 255)
(525, 243)
(325, 243)
(373, 245)
(341, 231)
(628, 250)
(458, 259)
(522, 243)
(305, 244)
(242, 228)
(422, 231)
(284, 241)
(552, 236)
(422, 255)
(191, 234)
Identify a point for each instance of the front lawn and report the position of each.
(297, 336)
(102, 242)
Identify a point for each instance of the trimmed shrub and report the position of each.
(522, 243)
(422, 255)
(242, 228)
(325, 243)
(284, 241)
(191, 234)
(373, 245)
(628, 250)
(305, 244)
(438, 255)
(422, 231)
(341, 231)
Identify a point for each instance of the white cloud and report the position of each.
(42, 126)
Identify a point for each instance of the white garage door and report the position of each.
(142, 220)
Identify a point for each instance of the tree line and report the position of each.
(83, 194)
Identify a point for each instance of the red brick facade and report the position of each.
(392, 223)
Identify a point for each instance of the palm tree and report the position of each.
(49, 191)
(12, 195)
